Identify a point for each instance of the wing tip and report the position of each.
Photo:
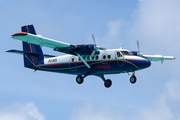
(19, 34)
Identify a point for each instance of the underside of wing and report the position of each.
(55, 45)
(46, 42)
(39, 40)
(158, 57)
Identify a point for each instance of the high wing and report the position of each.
(55, 44)
(43, 41)
(153, 57)
(158, 57)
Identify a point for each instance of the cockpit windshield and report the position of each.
(126, 52)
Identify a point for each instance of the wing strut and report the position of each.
(83, 60)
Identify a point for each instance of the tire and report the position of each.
(79, 79)
(108, 83)
(133, 79)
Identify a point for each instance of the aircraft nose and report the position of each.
(148, 63)
(145, 64)
(138, 63)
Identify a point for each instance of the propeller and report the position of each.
(138, 46)
(94, 39)
(139, 54)
(95, 47)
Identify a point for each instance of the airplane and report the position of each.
(81, 60)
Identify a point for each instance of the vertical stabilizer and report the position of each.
(31, 60)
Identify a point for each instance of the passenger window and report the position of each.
(109, 56)
(84, 57)
(104, 56)
(72, 59)
(88, 58)
(79, 59)
(97, 57)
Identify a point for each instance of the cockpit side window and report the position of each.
(119, 54)
(126, 53)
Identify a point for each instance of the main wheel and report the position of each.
(133, 79)
(108, 83)
(79, 79)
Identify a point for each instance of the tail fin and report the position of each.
(30, 60)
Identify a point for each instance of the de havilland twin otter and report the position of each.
(81, 60)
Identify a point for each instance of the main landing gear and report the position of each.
(79, 79)
(107, 83)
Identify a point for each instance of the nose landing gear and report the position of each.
(133, 78)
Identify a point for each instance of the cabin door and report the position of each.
(73, 63)
(119, 58)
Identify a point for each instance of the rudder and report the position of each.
(30, 61)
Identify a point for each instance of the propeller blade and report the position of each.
(138, 45)
(101, 48)
(97, 47)
(94, 39)
(92, 54)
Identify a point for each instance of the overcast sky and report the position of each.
(29, 95)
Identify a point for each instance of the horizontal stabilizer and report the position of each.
(22, 52)
(48, 56)
(29, 53)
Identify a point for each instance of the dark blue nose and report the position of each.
(144, 64)
(141, 63)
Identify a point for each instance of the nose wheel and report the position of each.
(133, 79)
